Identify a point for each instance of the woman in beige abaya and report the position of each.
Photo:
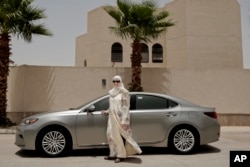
(121, 144)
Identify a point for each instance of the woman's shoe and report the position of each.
(109, 158)
(117, 160)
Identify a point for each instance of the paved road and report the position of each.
(212, 155)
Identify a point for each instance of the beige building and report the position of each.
(207, 35)
(199, 59)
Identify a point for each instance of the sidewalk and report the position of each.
(224, 129)
(10, 130)
(235, 129)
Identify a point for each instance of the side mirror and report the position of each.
(90, 109)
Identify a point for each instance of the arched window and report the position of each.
(144, 53)
(116, 52)
(157, 53)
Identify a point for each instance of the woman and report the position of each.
(121, 144)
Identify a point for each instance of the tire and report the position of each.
(54, 142)
(183, 140)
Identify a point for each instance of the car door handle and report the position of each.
(171, 114)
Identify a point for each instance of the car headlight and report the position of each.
(30, 121)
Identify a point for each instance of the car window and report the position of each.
(102, 104)
(171, 104)
(153, 102)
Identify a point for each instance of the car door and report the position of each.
(91, 124)
(151, 116)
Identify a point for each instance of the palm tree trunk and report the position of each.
(4, 72)
(136, 58)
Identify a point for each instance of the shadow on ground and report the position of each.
(204, 149)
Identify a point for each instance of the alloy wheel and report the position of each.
(53, 142)
(184, 140)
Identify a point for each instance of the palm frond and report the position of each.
(19, 17)
(138, 20)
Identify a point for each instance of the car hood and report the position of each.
(51, 113)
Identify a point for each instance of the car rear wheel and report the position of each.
(54, 142)
(183, 140)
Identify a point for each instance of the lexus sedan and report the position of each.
(157, 120)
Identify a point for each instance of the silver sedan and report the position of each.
(157, 120)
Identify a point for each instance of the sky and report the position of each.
(67, 19)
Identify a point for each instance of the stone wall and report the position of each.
(35, 89)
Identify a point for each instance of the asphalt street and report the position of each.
(213, 155)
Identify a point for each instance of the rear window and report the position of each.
(147, 102)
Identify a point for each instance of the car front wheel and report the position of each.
(183, 140)
(53, 143)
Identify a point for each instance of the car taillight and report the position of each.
(211, 114)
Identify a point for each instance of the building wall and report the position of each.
(207, 35)
(34, 89)
(218, 25)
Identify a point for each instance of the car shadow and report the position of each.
(204, 149)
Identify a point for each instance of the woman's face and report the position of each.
(116, 82)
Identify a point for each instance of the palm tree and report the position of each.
(18, 18)
(139, 22)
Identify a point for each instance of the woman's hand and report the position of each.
(125, 127)
(105, 112)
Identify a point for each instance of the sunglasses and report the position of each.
(116, 81)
